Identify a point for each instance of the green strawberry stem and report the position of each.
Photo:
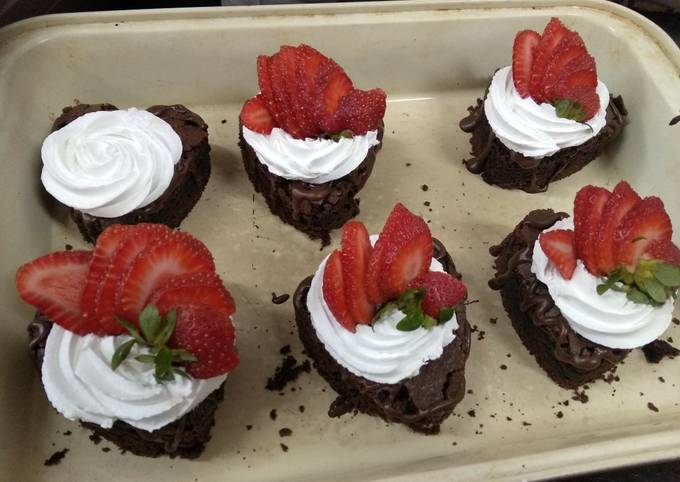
(652, 283)
(155, 333)
(409, 303)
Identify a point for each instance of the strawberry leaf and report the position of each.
(121, 353)
(149, 321)
(667, 274)
(445, 314)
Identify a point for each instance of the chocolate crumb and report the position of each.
(674, 120)
(652, 407)
(301, 408)
(676, 321)
(272, 414)
(285, 350)
(480, 335)
(67, 433)
(470, 391)
(280, 299)
(662, 379)
(425, 187)
(284, 447)
(56, 457)
(285, 432)
(526, 424)
(509, 419)
(96, 438)
(68, 247)
(504, 367)
(658, 350)
(106, 449)
(289, 371)
(408, 164)
(493, 321)
(249, 427)
(559, 414)
(224, 121)
(580, 396)
(472, 413)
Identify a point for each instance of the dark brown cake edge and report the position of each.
(192, 172)
(185, 437)
(422, 402)
(314, 209)
(569, 359)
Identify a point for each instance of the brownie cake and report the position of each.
(185, 437)
(314, 209)
(567, 357)
(421, 402)
(190, 178)
(505, 168)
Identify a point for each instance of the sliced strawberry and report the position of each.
(303, 114)
(406, 261)
(355, 253)
(588, 206)
(195, 288)
(54, 284)
(570, 48)
(209, 335)
(523, 52)
(156, 265)
(277, 72)
(622, 200)
(442, 291)
(664, 251)
(646, 222)
(256, 117)
(578, 73)
(552, 36)
(558, 246)
(582, 103)
(107, 244)
(360, 111)
(332, 84)
(334, 291)
(263, 79)
(139, 237)
(309, 63)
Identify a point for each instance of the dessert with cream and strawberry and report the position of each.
(111, 166)
(383, 319)
(309, 139)
(133, 339)
(545, 116)
(582, 292)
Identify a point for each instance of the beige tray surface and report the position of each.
(433, 59)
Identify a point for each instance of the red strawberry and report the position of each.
(405, 262)
(360, 111)
(523, 52)
(355, 253)
(664, 251)
(442, 291)
(622, 200)
(264, 80)
(190, 289)
(579, 72)
(139, 237)
(570, 48)
(256, 117)
(286, 116)
(332, 84)
(309, 63)
(303, 114)
(155, 266)
(209, 335)
(107, 244)
(552, 36)
(558, 246)
(334, 291)
(646, 222)
(588, 206)
(54, 284)
(585, 102)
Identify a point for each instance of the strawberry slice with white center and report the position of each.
(405, 261)
(156, 265)
(441, 291)
(303, 114)
(355, 253)
(523, 52)
(332, 84)
(195, 288)
(334, 291)
(663, 250)
(361, 111)
(570, 48)
(588, 207)
(54, 285)
(553, 34)
(558, 246)
(256, 116)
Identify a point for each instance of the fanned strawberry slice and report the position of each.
(355, 253)
(646, 222)
(309, 63)
(523, 52)
(360, 111)
(139, 237)
(107, 244)
(332, 84)
(155, 266)
(570, 48)
(663, 250)
(54, 284)
(204, 287)
(558, 246)
(277, 73)
(576, 103)
(442, 291)
(267, 90)
(579, 72)
(303, 114)
(622, 200)
(406, 261)
(588, 207)
(334, 291)
(256, 117)
(552, 36)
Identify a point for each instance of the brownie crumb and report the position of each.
(674, 120)
(509, 419)
(224, 121)
(580, 396)
(280, 299)
(56, 457)
(676, 321)
(662, 379)
(285, 432)
(67, 433)
(480, 335)
(658, 350)
(425, 187)
(472, 413)
(96, 438)
(106, 450)
(559, 414)
(249, 427)
(301, 408)
(285, 350)
(426, 203)
(504, 367)
(408, 164)
(272, 414)
(284, 447)
(68, 247)
(526, 424)
(493, 321)
(289, 371)
(652, 407)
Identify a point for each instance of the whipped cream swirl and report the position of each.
(315, 161)
(377, 352)
(80, 384)
(532, 129)
(609, 319)
(109, 163)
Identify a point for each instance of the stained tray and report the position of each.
(434, 59)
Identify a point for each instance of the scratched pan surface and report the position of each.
(433, 59)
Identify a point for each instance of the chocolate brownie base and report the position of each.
(185, 437)
(186, 187)
(421, 402)
(314, 209)
(503, 167)
(568, 358)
